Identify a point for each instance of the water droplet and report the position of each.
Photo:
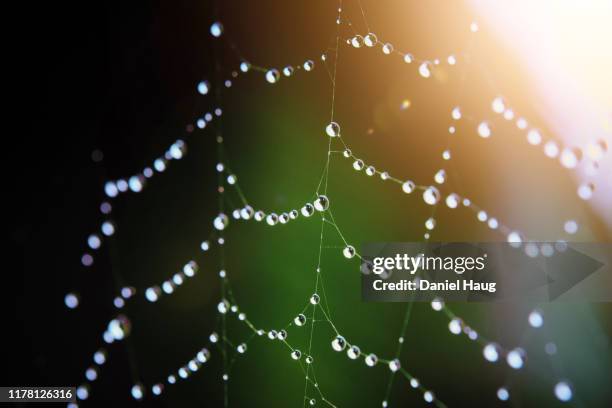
(307, 210)
(333, 129)
(272, 76)
(220, 222)
(370, 170)
(408, 186)
(300, 320)
(408, 58)
(430, 224)
(349, 251)
(338, 343)
(120, 327)
(353, 352)
(216, 29)
(431, 195)
(371, 360)
(357, 41)
(308, 65)
(223, 306)
(370, 40)
(321, 203)
(455, 325)
(428, 396)
(516, 358)
(484, 130)
(536, 319)
(437, 304)
(71, 300)
(203, 87)
(424, 69)
(491, 352)
(534, 137)
(358, 164)
(498, 105)
(272, 219)
(456, 113)
(440, 176)
(585, 191)
(288, 71)
(315, 299)
(296, 354)
(551, 149)
(242, 348)
(503, 394)
(394, 365)
(388, 48)
(563, 391)
(570, 157)
(570, 226)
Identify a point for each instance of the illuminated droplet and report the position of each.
(431, 195)
(338, 343)
(333, 129)
(353, 352)
(408, 58)
(120, 327)
(296, 354)
(272, 76)
(570, 157)
(534, 137)
(349, 251)
(408, 187)
(503, 394)
(220, 222)
(428, 396)
(300, 320)
(430, 224)
(585, 191)
(203, 87)
(307, 210)
(516, 358)
(491, 352)
(370, 40)
(245, 66)
(563, 391)
(242, 348)
(321, 203)
(137, 391)
(440, 176)
(223, 306)
(216, 29)
(570, 227)
(288, 71)
(394, 365)
(456, 113)
(455, 325)
(315, 299)
(272, 219)
(371, 360)
(484, 130)
(388, 48)
(424, 69)
(536, 319)
(437, 304)
(308, 65)
(498, 105)
(71, 300)
(370, 170)
(358, 164)
(357, 41)
(551, 149)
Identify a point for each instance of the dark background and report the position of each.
(120, 77)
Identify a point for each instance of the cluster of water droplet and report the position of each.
(189, 270)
